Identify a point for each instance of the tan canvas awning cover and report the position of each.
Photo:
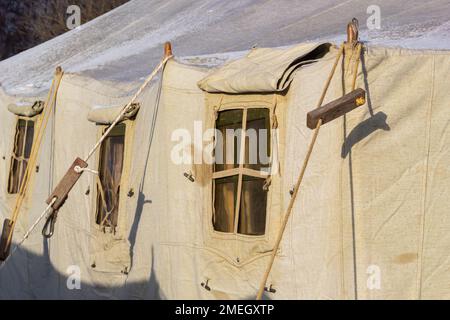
(26, 108)
(263, 69)
(106, 115)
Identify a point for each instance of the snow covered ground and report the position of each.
(126, 43)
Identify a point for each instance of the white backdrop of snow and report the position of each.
(126, 43)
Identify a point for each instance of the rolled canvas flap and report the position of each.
(26, 108)
(263, 70)
(107, 115)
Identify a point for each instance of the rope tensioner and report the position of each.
(315, 119)
(61, 194)
(336, 108)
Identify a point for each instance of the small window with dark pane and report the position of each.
(23, 142)
(241, 155)
(110, 175)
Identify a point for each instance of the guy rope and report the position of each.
(315, 120)
(59, 195)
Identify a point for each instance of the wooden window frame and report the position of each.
(240, 172)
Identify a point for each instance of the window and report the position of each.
(23, 142)
(110, 174)
(240, 198)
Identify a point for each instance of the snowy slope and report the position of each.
(127, 42)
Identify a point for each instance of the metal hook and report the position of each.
(205, 285)
(189, 176)
(270, 289)
(49, 227)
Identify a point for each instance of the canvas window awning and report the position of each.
(263, 69)
(26, 108)
(107, 114)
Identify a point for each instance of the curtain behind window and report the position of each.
(111, 164)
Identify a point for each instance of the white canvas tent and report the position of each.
(373, 195)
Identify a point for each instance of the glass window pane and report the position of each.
(257, 139)
(225, 191)
(29, 139)
(111, 164)
(13, 184)
(23, 143)
(252, 217)
(20, 137)
(228, 146)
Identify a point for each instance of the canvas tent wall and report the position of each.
(373, 195)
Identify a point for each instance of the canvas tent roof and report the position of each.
(125, 43)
